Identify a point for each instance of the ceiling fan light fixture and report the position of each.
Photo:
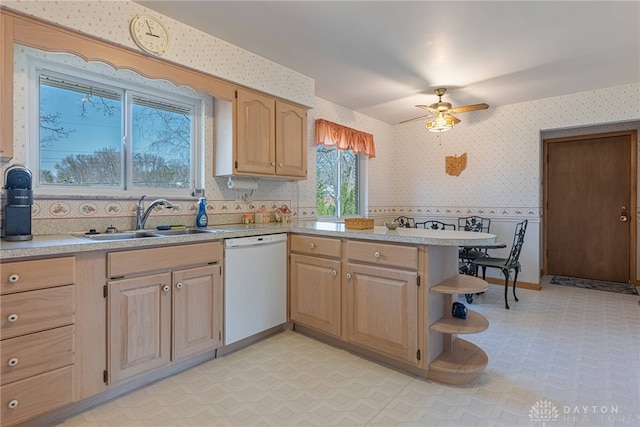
(440, 124)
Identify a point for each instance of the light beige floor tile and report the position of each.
(571, 347)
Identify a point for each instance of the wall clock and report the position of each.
(149, 34)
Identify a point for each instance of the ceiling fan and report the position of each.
(442, 113)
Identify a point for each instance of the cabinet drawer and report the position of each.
(33, 396)
(314, 245)
(23, 276)
(34, 311)
(34, 354)
(126, 263)
(383, 254)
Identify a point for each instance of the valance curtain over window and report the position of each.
(332, 134)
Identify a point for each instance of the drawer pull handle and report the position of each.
(312, 245)
(12, 317)
(165, 288)
(348, 275)
(13, 361)
(376, 254)
(14, 278)
(13, 404)
(179, 285)
(334, 273)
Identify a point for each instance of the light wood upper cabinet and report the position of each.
(291, 137)
(256, 133)
(260, 136)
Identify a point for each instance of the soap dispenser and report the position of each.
(201, 219)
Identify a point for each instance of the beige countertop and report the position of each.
(59, 244)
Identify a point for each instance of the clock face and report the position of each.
(149, 34)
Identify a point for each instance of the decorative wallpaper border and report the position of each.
(499, 212)
(72, 209)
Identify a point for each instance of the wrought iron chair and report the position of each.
(474, 223)
(405, 222)
(506, 264)
(477, 224)
(435, 225)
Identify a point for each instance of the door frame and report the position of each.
(632, 209)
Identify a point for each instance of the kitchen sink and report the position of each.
(182, 231)
(140, 234)
(119, 236)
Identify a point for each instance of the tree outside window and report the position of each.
(99, 136)
(338, 182)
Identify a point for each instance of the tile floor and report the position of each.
(559, 357)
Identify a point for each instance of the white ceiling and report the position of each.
(381, 58)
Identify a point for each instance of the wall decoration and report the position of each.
(454, 165)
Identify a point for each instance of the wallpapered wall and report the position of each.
(502, 178)
(110, 20)
(503, 144)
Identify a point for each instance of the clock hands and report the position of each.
(150, 33)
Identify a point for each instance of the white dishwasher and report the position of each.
(255, 285)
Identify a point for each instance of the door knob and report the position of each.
(623, 215)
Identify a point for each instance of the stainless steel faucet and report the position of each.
(142, 214)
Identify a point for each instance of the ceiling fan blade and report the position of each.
(466, 108)
(454, 118)
(428, 108)
(417, 118)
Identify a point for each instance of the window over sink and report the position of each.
(102, 131)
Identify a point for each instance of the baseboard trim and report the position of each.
(520, 285)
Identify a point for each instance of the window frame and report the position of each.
(195, 101)
(361, 193)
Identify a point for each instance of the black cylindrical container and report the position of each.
(17, 208)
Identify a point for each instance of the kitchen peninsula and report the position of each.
(385, 294)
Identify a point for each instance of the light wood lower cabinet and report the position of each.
(315, 277)
(25, 399)
(157, 319)
(197, 322)
(361, 292)
(382, 307)
(139, 311)
(315, 293)
(36, 337)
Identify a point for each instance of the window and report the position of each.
(338, 182)
(101, 135)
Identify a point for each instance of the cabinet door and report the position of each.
(197, 310)
(291, 140)
(256, 137)
(382, 310)
(139, 311)
(315, 293)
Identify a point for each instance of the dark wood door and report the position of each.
(587, 190)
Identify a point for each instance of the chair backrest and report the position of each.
(518, 241)
(435, 225)
(405, 222)
(474, 223)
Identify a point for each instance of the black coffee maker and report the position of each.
(19, 198)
